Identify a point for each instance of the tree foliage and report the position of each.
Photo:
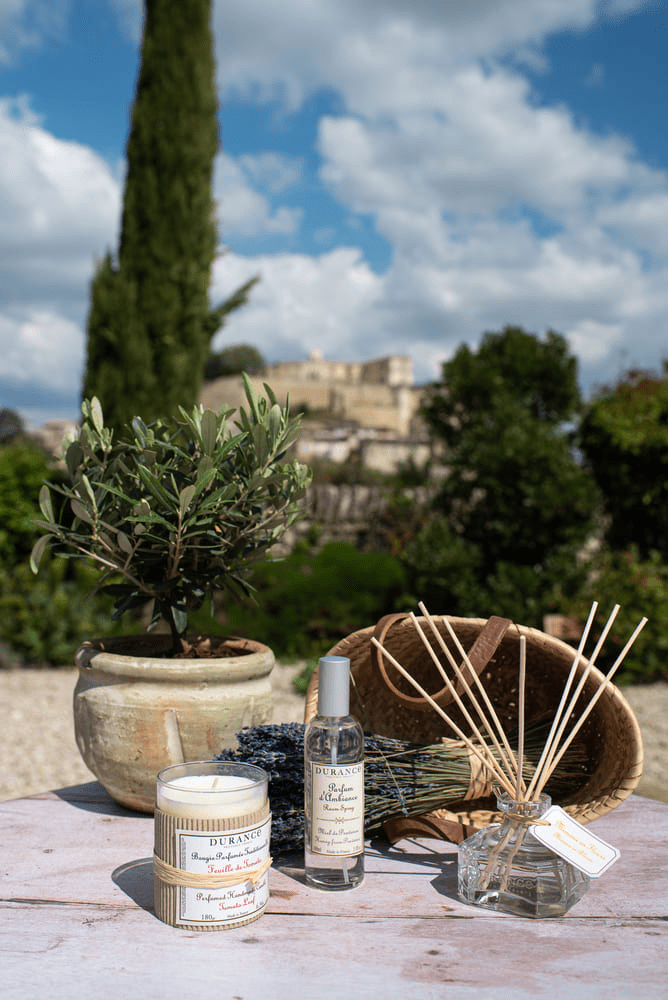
(516, 505)
(150, 323)
(41, 621)
(511, 370)
(624, 436)
(310, 601)
(11, 425)
(234, 360)
(640, 587)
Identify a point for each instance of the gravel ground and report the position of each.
(40, 751)
(650, 705)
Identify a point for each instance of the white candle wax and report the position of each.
(209, 795)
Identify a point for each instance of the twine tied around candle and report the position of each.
(204, 880)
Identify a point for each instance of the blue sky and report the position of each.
(403, 176)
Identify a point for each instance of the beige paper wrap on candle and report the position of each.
(211, 871)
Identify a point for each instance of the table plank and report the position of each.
(76, 921)
(80, 951)
(79, 846)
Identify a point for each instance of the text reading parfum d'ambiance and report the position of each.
(334, 784)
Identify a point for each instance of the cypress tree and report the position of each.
(150, 324)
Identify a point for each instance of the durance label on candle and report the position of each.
(337, 792)
(223, 852)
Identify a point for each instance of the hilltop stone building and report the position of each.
(365, 407)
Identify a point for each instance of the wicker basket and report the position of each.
(384, 703)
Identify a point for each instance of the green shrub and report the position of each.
(43, 621)
(348, 473)
(306, 603)
(178, 509)
(394, 527)
(23, 469)
(34, 617)
(444, 570)
(624, 437)
(236, 358)
(302, 680)
(641, 588)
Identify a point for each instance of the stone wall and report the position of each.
(345, 513)
(394, 370)
(387, 456)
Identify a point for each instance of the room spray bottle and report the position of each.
(334, 784)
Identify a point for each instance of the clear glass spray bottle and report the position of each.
(334, 784)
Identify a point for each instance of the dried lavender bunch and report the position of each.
(400, 778)
(278, 750)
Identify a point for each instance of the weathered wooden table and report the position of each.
(76, 921)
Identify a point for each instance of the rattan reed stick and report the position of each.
(521, 787)
(512, 780)
(505, 754)
(483, 692)
(564, 696)
(551, 745)
(608, 677)
(483, 753)
(510, 772)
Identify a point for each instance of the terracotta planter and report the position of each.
(135, 712)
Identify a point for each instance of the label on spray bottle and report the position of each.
(337, 809)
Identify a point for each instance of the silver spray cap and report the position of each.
(333, 685)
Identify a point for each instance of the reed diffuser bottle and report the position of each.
(334, 784)
(503, 867)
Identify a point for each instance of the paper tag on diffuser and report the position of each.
(572, 842)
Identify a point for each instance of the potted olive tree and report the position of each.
(170, 514)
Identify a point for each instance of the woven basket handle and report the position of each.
(479, 656)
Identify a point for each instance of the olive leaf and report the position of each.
(45, 504)
(38, 550)
(185, 498)
(80, 511)
(180, 508)
(209, 431)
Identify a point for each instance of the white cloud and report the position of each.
(592, 340)
(641, 218)
(24, 24)
(41, 346)
(301, 303)
(243, 210)
(59, 207)
(273, 171)
(622, 8)
(486, 148)
(497, 210)
(381, 55)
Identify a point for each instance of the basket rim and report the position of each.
(469, 817)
